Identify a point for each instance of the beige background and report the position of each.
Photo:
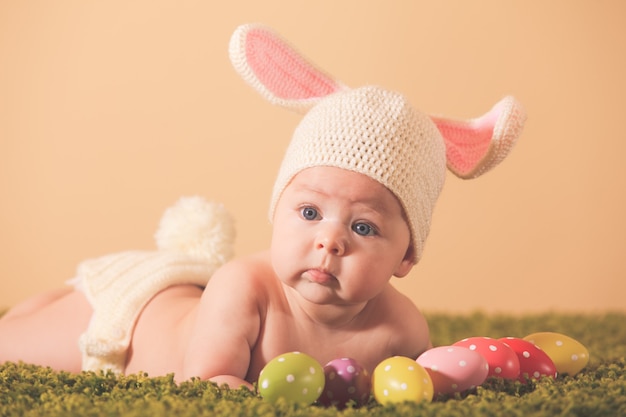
(112, 110)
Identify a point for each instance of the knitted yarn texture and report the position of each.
(195, 237)
(371, 130)
(377, 133)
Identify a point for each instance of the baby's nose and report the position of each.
(331, 239)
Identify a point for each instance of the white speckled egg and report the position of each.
(454, 368)
(346, 381)
(533, 361)
(569, 355)
(398, 379)
(503, 362)
(294, 376)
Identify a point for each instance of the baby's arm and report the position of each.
(226, 327)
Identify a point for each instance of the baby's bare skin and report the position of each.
(277, 326)
(323, 288)
(162, 339)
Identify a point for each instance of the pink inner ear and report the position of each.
(282, 70)
(467, 142)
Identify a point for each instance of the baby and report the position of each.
(351, 209)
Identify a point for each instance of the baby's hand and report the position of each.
(232, 382)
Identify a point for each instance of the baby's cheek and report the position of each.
(283, 263)
(368, 279)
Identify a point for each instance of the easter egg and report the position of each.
(454, 368)
(399, 379)
(502, 360)
(569, 355)
(533, 362)
(346, 380)
(294, 376)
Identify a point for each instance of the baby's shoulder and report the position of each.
(394, 312)
(397, 304)
(245, 268)
(245, 275)
(404, 318)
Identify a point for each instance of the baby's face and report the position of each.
(338, 236)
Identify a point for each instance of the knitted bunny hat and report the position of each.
(371, 130)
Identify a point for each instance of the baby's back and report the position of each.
(161, 334)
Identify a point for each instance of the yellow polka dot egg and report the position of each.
(569, 355)
(296, 377)
(398, 379)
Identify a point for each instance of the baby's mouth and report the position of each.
(320, 276)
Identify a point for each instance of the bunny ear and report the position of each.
(276, 70)
(475, 146)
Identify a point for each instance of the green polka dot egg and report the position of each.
(296, 377)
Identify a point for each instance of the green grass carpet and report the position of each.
(599, 390)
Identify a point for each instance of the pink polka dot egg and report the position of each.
(502, 360)
(296, 377)
(346, 382)
(454, 368)
(534, 362)
(398, 379)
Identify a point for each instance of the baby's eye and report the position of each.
(309, 213)
(364, 229)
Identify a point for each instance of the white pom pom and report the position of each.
(198, 228)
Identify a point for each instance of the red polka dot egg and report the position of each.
(294, 376)
(534, 362)
(454, 368)
(346, 382)
(502, 360)
(398, 379)
(569, 355)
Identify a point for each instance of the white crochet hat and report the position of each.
(371, 130)
(376, 133)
